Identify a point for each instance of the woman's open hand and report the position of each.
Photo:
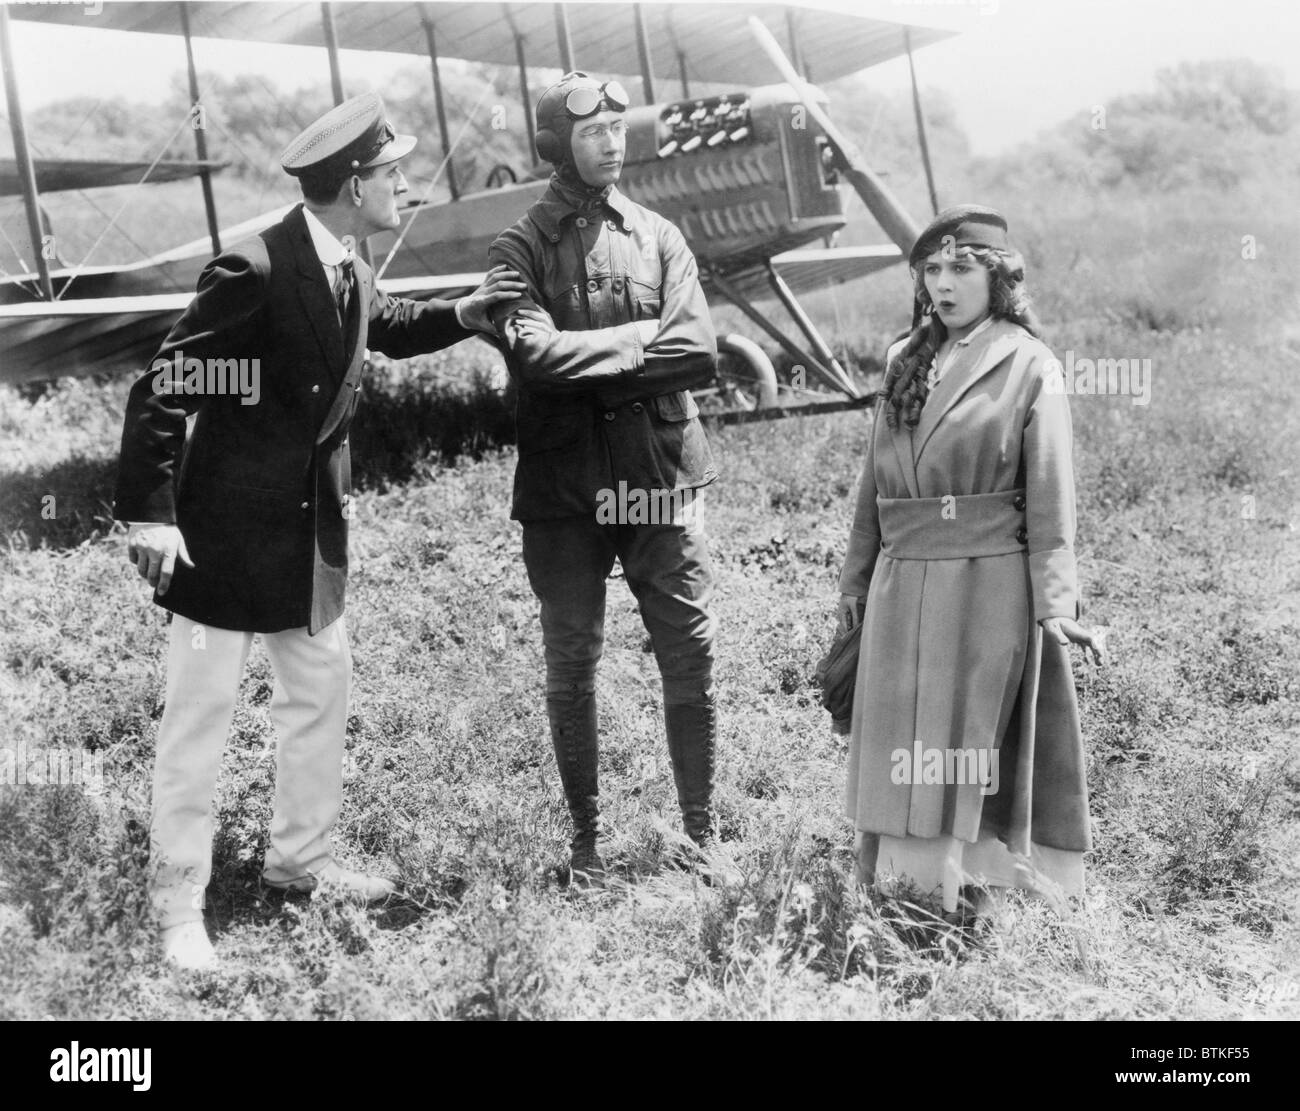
(1065, 631)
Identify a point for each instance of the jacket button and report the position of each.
(1022, 535)
(356, 389)
(618, 287)
(1018, 501)
(637, 407)
(306, 505)
(593, 285)
(609, 416)
(555, 237)
(315, 389)
(345, 442)
(581, 221)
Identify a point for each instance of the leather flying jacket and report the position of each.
(602, 398)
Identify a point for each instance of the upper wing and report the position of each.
(713, 39)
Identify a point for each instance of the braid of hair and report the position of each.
(905, 388)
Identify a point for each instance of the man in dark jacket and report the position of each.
(243, 529)
(605, 345)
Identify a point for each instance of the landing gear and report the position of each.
(746, 377)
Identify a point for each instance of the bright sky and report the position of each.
(1017, 67)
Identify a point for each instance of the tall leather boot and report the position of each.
(692, 733)
(573, 734)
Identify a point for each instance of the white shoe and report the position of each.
(354, 887)
(187, 946)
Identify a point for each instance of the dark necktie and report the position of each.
(343, 289)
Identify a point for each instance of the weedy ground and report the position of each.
(1188, 517)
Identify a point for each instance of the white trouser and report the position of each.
(309, 708)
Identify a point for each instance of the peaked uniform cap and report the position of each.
(354, 135)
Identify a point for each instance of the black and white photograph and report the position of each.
(614, 511)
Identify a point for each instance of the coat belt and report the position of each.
(958, 526)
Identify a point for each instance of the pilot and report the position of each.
(243, 529)
(605, 347)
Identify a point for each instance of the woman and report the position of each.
(966, 762)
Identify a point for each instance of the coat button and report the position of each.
(306, 505)
(618, 287)
(356, 389)
(1018, 502)
(345, 442)
(1022, 535)
(581, 221)
(555, 237)
(609, 416)
(315, 389)
(637, 407)
(593, 285)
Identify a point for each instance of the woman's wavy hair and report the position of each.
(905, 389)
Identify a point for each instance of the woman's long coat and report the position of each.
(952, 656)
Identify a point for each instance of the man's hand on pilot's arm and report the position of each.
(475, 310)
(153, 550)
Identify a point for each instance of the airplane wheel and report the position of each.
(746, 377)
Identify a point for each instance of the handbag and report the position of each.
(836, 674)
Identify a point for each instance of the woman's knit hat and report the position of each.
(969, 225)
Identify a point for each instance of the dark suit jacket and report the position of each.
(262, 492)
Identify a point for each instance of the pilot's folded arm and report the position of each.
(641, 356)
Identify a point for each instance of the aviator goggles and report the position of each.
(586, 101)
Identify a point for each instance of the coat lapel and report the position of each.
(344, 400)
(314, 293)
(971, 364)
(903, 438)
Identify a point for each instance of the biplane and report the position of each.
(753, 174)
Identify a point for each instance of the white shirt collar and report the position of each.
(937, 371)
(328, 249)
(974, 331)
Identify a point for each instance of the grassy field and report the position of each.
(1187, 547)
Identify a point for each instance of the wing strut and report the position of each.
(563, 39)
(802, 357)
(200, 125)
(521, 62)
(441, 102)
(920, 124)
(783, 292)
(26, 172)
(332, 49)
(643, 54)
